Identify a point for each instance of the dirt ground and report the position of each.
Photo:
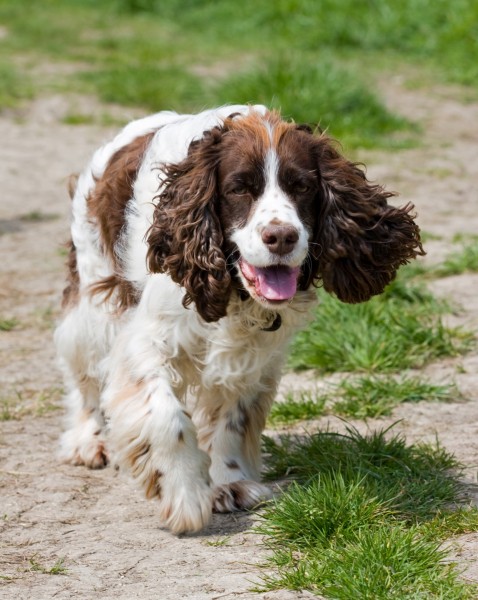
(94, 527)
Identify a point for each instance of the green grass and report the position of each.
(292, 409)
(372, 396)
(319, 92)
(8, 324)
(365, 517)
(57, 569)
(303, 56)
(38, 216)
(14, 85)
(460, 261)
(369, 396)
(21, 403)
(403, 328)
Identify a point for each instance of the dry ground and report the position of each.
(94, 524)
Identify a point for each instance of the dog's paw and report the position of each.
(185, 499)
(239, 495)
(180, 482)
(189, 511)
(84, 446)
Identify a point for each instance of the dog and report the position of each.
(197, 242)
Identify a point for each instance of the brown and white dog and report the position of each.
(196, 244)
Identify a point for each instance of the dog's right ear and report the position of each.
(185, 239)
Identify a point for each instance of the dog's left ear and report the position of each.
(185, 239)
(360, 240)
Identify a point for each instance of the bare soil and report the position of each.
(93, 527)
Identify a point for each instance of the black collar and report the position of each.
(275, 325)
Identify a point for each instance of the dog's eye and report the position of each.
(240, 190)
(301, 188)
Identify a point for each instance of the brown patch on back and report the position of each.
(106, 205)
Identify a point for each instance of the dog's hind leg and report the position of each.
(82, 341)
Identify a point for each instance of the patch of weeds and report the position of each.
(44, 318)
(308, 90)
(219, 542)
(10, 407)
(6, 413)
(14, 86)
(428, 236)
(57, 569)
(464, 519)
(8, 324)
(308, 405)
(47, 401)
(464, 260)
(365, 517)
(24, 403)
(137, 83)
(37, 216)
(464, 238)
(400, 329)
(369, 396)
(372, 396)
(104, 119)
(78, 119)
(416, 478)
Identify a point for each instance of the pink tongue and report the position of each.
(276, 283)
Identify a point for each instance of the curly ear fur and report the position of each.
(360, 240)
(185, 239)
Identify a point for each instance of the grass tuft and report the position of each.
(8, 324)
(461, 261)
(369, 396)
(417, 478)
(398, 330)
(307, 405)
(372, 396)
(57, 569)
(364, 518)
(38, 216)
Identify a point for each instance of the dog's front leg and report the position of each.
(153, 438)
(230, 429)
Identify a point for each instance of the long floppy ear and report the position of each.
(185, 239)
(360, 240)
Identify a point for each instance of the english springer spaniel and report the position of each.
(197, 242)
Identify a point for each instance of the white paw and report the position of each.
(180, 482)
(239, 495)
(188, 508)
(84, 445)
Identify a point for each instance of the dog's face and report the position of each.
(269, 207)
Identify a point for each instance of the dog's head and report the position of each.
(270, 207)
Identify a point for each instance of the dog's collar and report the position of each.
(275, 325)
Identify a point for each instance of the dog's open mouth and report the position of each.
(276, 283)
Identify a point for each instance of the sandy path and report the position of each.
(107, 534)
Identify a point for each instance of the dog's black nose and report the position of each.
(280, 239)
